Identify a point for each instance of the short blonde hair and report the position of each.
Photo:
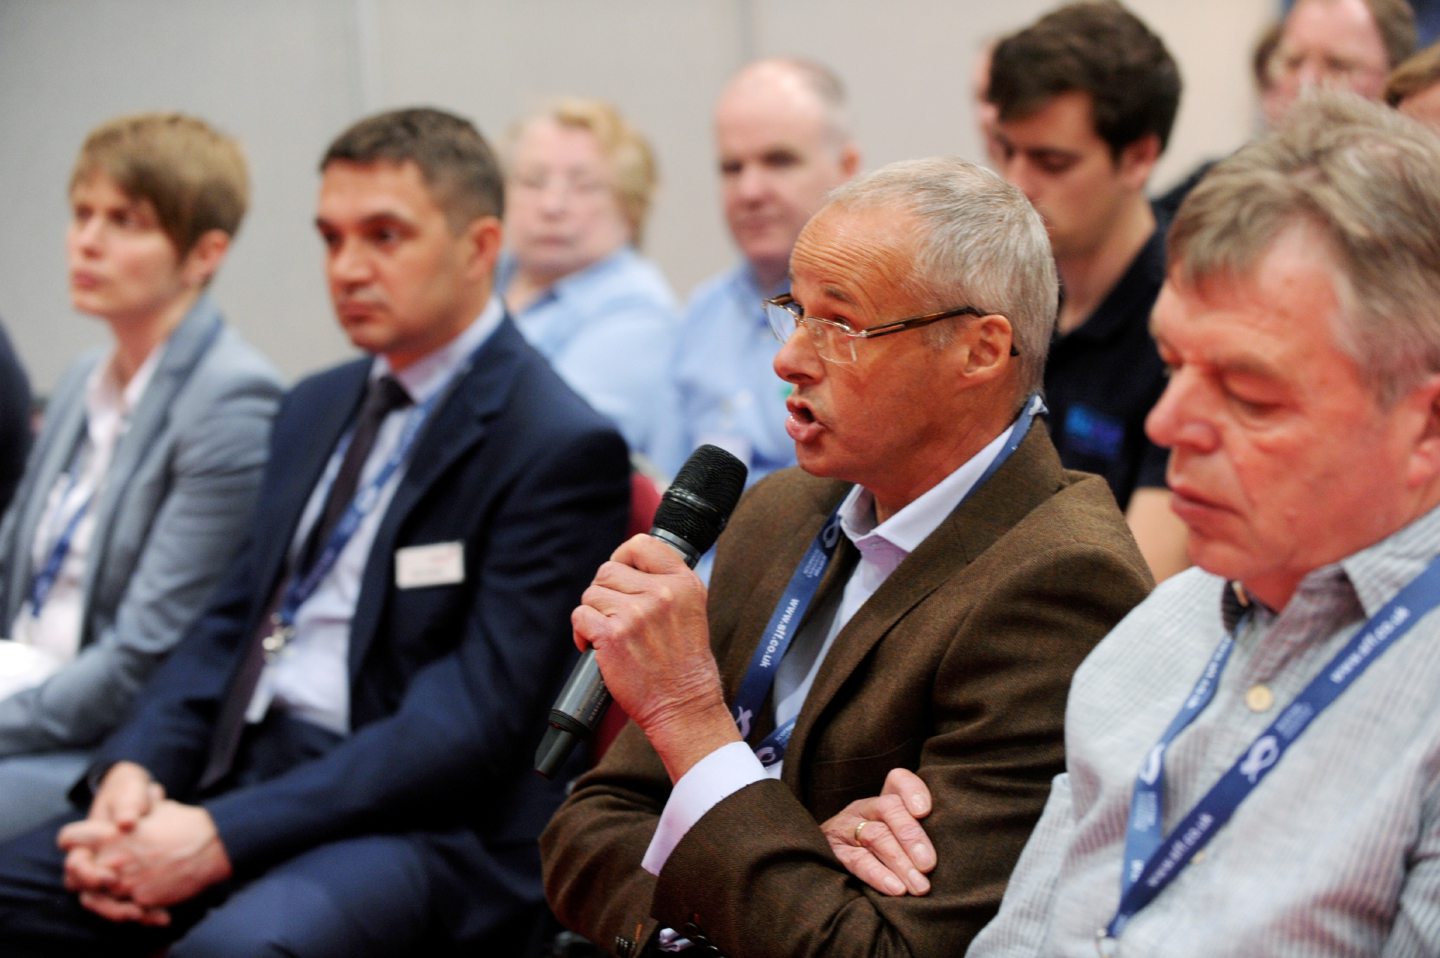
(636, 175)
(192, 174)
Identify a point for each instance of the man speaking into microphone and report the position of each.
(916, 594)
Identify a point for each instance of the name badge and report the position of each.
(442, 563)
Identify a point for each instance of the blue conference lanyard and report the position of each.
(795, 602)
(44, 580)
(1152, 862)
(303, 586)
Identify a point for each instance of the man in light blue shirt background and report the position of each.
(783, 142)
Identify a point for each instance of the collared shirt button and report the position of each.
(1259, 698)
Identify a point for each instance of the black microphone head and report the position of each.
(699, 502)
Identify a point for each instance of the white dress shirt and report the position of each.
(55, 632)
(310, 679)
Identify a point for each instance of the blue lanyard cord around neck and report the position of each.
(44, 581)
(1152, 862)
(304, 582)
(795, 602)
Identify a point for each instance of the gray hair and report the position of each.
(1368, 180)
(983, 245)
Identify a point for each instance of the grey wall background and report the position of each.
(286, 75)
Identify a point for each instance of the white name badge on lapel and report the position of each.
(442, 563)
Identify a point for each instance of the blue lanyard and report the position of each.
(795, 602)
(779, 632)
(44, 580)
(1143, 836)
(302, 587)
(1151, 862)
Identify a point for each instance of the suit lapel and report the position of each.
(63, 435)
(809, 511)
(457, 425)
(183, 351)
(1030, 476)
(305, 461)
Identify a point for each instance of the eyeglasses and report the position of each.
(581, 186)
(1325, 68)
(833, 340)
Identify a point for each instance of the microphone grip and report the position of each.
(689, 519)
(574, 716)
(582, 702)
(581, 705)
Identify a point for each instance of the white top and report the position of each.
(55, 632)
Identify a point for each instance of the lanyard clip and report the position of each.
(279, 637)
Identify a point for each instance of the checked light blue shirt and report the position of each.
(1336, 853)
(724, 388)
(608, 330)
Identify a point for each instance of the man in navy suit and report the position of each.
(336, 760)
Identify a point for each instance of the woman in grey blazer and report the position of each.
(143, 476)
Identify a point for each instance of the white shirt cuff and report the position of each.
(710, 781)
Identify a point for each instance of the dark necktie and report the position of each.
(384, 396)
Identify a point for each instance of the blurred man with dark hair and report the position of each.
(336, 758)
(1086, 97)
(1413, 87)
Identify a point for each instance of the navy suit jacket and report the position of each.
(450, 685)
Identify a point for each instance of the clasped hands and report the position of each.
(137, 853)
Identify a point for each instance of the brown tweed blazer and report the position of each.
(958, 667)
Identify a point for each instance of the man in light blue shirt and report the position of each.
(783, 141)
(606, 330)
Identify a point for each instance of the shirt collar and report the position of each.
(570, 285)
(749, 283)
(1373, 574)
(427, 376)
(104, 399)
(745, 287)
(1379, 571)
(903, 532)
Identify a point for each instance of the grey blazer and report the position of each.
(167, 522)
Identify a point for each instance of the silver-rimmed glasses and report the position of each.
(833, 340)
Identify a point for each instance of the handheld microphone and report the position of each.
(689, 519)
